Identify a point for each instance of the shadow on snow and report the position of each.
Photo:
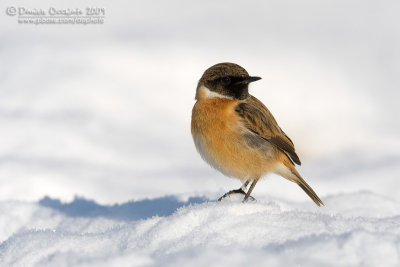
(133, 210)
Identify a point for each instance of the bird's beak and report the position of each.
(250, 80)
(253, 79)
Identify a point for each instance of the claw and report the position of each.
(237, 191)
(247, 199)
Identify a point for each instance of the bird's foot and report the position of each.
(248, 198)
(237, 191)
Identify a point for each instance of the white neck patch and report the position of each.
(207, 93)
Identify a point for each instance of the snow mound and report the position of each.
(202, 232)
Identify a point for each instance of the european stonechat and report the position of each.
(236, 134)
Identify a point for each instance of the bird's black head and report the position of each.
(225, 80)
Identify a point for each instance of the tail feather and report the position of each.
(310, 192)
(292, 175)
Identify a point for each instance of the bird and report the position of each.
(235, 133)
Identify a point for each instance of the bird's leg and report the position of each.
(247, 196)
(236, 191)
(244, 185)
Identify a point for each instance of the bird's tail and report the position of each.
(292, 175)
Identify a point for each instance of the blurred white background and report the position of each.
(103, 111)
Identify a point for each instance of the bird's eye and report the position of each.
(226, 80)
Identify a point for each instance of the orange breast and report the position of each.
(218, 134)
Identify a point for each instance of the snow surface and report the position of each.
(202, 232)
(98, 167)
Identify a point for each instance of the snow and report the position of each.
(98, 167)
(202, 232)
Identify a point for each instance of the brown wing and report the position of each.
(260, 121)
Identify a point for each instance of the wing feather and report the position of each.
(260, 121)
